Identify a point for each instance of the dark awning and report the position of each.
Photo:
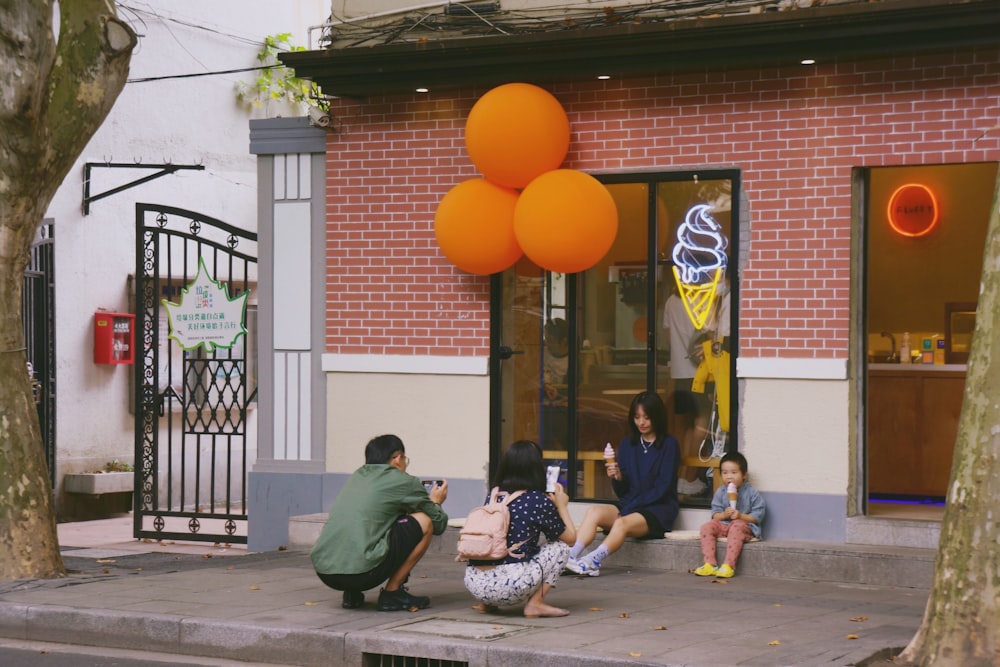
(768, 38)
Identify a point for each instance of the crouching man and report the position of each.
(379, 527)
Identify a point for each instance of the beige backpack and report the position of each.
(484, 535)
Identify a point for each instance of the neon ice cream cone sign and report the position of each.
(699, 262)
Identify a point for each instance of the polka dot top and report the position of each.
(531, 514)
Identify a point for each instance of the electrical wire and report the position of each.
(197, 74)
(420, 25)
(189, 24)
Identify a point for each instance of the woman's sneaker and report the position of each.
(584, 567)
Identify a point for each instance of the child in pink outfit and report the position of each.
(738, 525)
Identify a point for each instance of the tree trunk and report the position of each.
(961, 625)
(53, 97)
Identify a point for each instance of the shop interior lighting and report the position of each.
(423, 90)
(808, 61)
(913, 210)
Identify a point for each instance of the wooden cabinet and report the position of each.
(912, 419)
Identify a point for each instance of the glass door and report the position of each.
(571, 352)
(530, 365)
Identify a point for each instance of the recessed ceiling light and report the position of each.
(603, 77)
(423, 90)
(808, 61)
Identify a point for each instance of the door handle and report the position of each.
(505, 352)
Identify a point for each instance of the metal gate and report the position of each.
(192, 397)
(38, 315)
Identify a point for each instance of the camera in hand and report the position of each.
(429, 484)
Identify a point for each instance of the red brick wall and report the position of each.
(795, 133)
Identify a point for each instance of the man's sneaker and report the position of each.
(353, 599)
(401, 599)
(707, 570)
(584, 567)
(725, 572)
(692, 488)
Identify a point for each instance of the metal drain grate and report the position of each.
(382, 660)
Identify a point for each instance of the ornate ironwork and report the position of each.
(191, 405)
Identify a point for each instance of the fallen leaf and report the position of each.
(858, 619)
(634, 654)
(43, 652)
(282, 548)
(311, 604)
(206, 555)
(852, 636)
(596, 609)
(498, 627)
(255, 588)
(774, 643)
(660, 627)
(138, 569)
(777, 604)
(412, 609)
(105, 560)
(105, 571)
(624, 614)
(719, 581)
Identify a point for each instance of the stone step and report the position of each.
(859, 564)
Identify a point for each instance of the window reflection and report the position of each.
(588, 343)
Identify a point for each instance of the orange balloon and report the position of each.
(474, 225)
(516, 132)
(565, 221)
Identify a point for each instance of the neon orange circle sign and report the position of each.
(913, 210)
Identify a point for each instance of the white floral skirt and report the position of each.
(514, 583)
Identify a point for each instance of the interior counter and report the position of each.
(913, 413)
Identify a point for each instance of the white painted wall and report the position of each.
(442, 419)
(182, 121)
(795, 435)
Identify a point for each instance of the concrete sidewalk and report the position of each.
(270, 607)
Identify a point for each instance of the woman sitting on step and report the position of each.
(644, 477)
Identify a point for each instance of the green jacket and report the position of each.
(355, 538)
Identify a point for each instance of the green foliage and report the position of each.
(118, 466)
(278, 83)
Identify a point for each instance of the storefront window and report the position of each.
(582, 346)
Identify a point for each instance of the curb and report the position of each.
(264, 644)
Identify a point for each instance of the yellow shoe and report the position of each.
(707, 570)
(725, 572)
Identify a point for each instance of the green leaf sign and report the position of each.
(206, 315)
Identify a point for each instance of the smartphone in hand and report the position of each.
(429, 484)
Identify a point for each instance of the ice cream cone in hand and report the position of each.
(609, 461)
(731, 490)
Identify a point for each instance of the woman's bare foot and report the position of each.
(543, 610)
(484, 608)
